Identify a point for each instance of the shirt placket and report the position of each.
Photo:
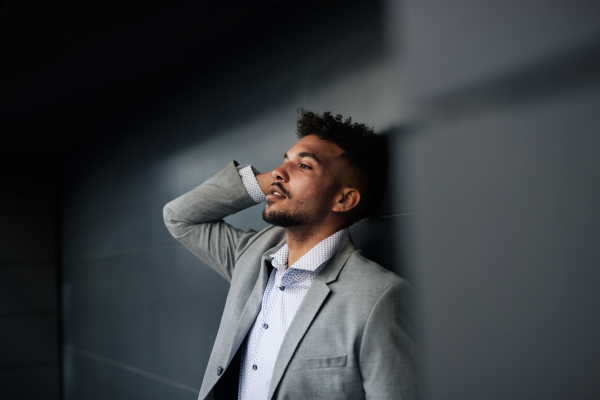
(253, 382)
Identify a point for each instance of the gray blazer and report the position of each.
(351, 337)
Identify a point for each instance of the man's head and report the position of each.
(336, 170)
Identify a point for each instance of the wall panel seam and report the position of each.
(127, 367)
(43, 364)
(28, 314)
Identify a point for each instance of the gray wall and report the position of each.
(490, 109)
(501, 167)
(29, 320)
(141, 312)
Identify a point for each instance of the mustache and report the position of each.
(287, 194)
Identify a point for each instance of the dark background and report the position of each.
(110, 110)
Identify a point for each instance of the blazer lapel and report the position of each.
(253, 305)
(316, 295)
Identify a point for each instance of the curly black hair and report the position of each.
(364, 150)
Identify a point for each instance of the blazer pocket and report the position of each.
(311, 363)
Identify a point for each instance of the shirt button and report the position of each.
(282, 288)
(266, 326)
(254, 367)
(219, 371)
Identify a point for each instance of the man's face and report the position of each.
(304, 185)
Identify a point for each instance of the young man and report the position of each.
(307, 316)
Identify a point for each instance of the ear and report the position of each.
(346, 200)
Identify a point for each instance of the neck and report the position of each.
(300, 239)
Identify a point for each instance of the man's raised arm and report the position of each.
(195, 218)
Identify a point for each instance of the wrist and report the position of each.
(264, 181)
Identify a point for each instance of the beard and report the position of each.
(285, 219)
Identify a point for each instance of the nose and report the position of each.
(280, 174)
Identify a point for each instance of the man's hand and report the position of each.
(264, 181)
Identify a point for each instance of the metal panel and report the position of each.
(91, 379)
(27, 237)
(449, 45)
(28, 288)
(507, 230)
(157, 310)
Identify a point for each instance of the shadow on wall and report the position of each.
(380, 236)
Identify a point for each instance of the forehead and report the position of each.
(323, 149)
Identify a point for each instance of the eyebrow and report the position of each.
(304, 154)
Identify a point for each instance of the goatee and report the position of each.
(285, 219)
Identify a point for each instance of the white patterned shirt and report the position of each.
(283, 295)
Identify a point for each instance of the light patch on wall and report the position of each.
(368, 96)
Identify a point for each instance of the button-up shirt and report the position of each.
(283, 295)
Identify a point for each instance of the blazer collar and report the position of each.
(330, 272)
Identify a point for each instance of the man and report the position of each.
(307, 316)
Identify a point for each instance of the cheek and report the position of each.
(314, 192)
(317, 198)
(306, 195)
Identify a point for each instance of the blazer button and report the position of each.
(219, 371)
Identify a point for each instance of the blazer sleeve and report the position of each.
(389, 357)
(196, 220)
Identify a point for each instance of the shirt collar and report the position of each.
(316, 256)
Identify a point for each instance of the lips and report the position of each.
(275, 191)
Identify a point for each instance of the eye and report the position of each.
(304, 166)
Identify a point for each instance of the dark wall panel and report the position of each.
(27, 237)
(27, 288)
(36, 382)
(28, 185)
(29, 321)
(28, 340)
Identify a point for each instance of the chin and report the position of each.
(284, 219)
